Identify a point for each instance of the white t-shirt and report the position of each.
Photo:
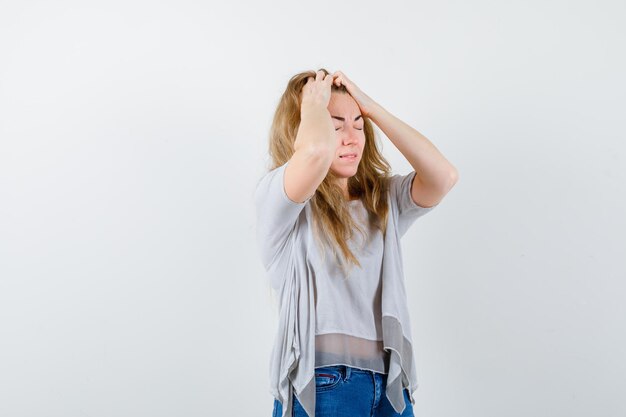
(348, 316)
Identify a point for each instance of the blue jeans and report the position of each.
(344, 391)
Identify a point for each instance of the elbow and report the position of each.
(454, 176)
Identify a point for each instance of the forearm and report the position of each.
(430, 165)
(316, 131)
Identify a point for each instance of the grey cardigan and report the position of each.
(284, 237)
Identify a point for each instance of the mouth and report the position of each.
(348, 156)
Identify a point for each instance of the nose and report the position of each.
(350, 136)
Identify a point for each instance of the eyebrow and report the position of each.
(343, 120)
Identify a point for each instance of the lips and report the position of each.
(348, 155)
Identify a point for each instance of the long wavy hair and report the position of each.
(333, 222)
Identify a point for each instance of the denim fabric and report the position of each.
(345, 391)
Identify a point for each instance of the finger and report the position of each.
(319, 76)
(307, 84)
(343, 77)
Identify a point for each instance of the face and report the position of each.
(348, 122)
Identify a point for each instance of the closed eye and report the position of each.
(337, 128)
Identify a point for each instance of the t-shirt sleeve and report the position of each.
(408, 210)
(276, 215)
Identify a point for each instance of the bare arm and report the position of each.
(434, 174)
(315, 141)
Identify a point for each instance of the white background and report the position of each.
(132, 135)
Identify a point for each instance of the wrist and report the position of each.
(312, 107)
(375, 112)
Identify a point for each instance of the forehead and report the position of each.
(341, 103)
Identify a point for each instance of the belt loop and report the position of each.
(347, 372)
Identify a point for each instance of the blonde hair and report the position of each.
(333, 222)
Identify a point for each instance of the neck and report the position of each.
(343, 184)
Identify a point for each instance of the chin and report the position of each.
(346, 173)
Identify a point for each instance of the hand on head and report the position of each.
(339, 78)
(316, 91)
(366, 104)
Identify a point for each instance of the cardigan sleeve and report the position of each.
(276, 215)
(408, 210)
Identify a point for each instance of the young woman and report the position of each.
(329, 221)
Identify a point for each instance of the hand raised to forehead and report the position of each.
(366, 104)
(316, 91)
